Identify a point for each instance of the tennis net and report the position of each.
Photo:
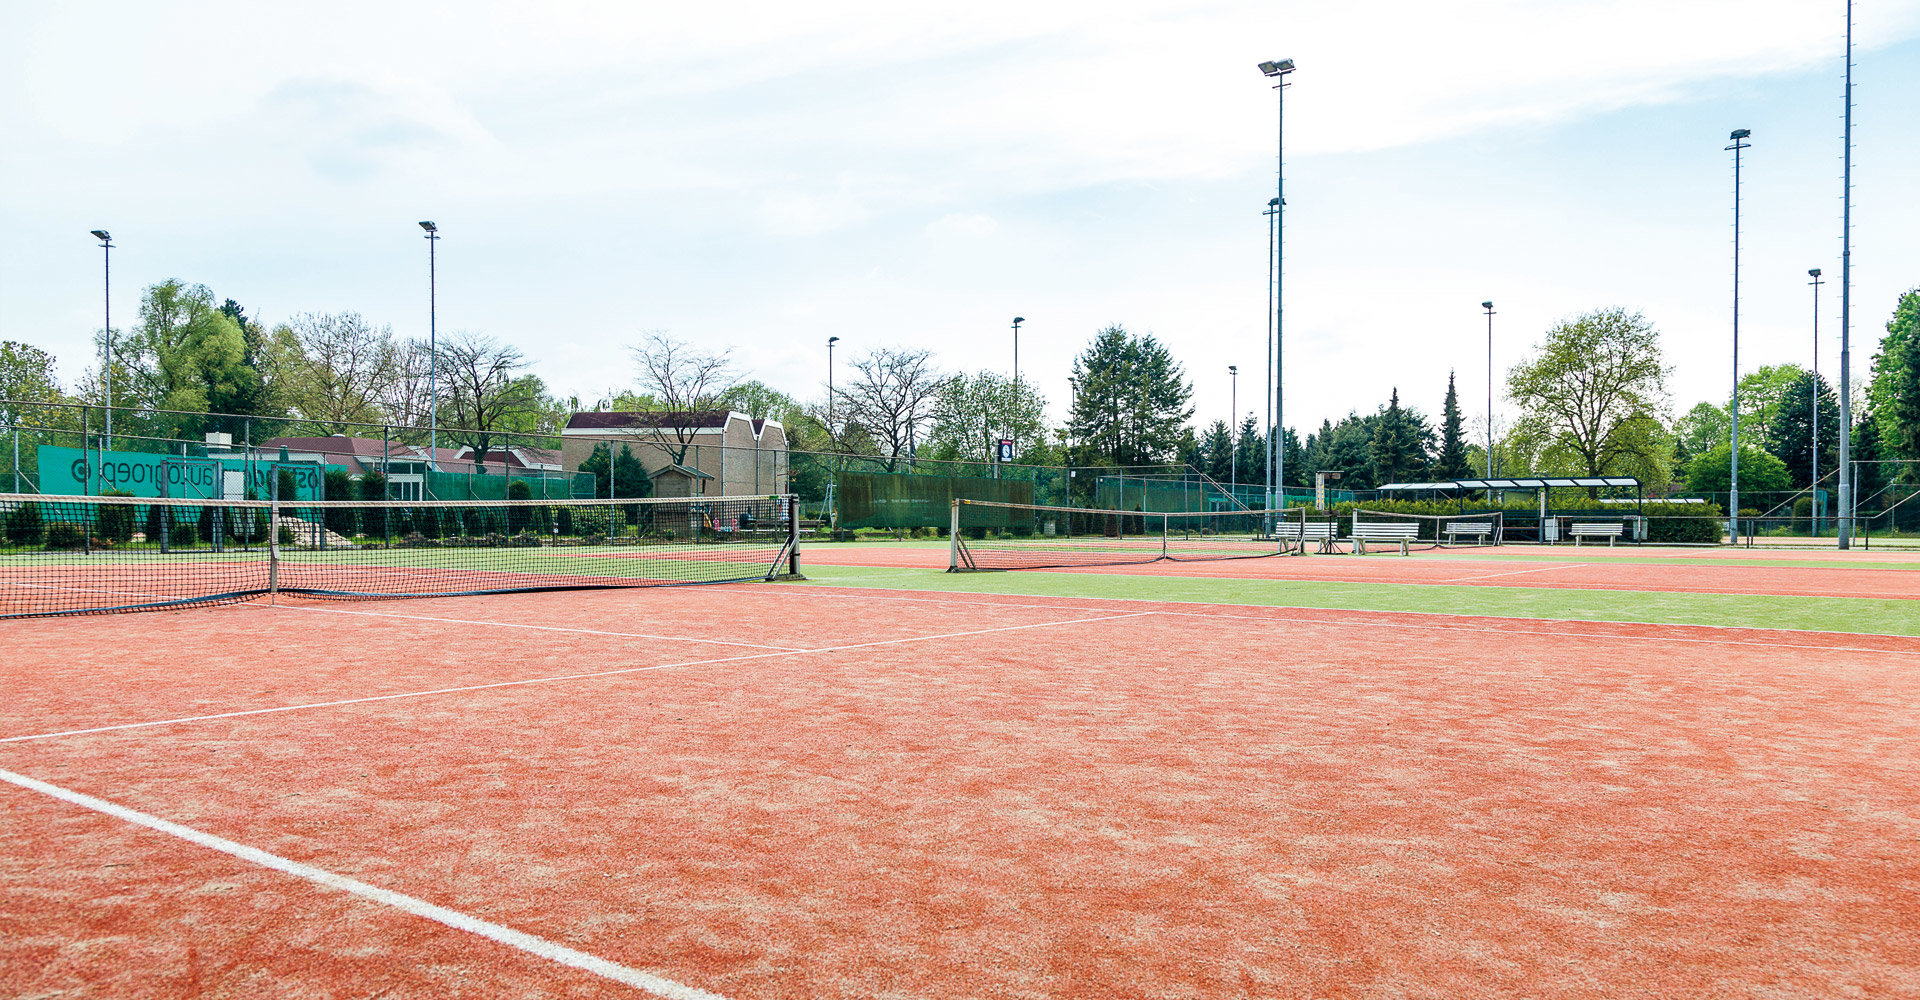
(62, 555)
(1001, 536)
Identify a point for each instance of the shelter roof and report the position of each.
(1523, 483)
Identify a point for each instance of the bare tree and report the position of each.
(484, 392)
(893, 394)
(686, 381)
(334, 370)
(407, 397)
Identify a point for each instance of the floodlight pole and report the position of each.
(106, 334)
(1233, 443)
(1276, 454)
(433, 354)
(1017, 320)
(1272, 213)
(1814, 477)
(1848, 495)
(1488, 306)
(1739, 137)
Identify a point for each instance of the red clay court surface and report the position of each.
(1591, 568)
(784, 791)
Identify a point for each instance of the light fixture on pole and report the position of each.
(1739, 137)
(433, 353)
(106, 336)
(1233, 444)
(1276, 455)
(830, 421)
(1813, 477)
(1848, 495)
(1488, 306)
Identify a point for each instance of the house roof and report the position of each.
(367, 453)
(622, 420)
(690, 473)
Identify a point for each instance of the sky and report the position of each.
(759, 177)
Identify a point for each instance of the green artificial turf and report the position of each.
(1825, 614)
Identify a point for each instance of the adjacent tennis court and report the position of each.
(874, 788)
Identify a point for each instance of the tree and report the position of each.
(187, 355)
(687, 382)
(757, 400)
(1790, 437)
(1452, 460)
(484, 393)
(624, 478)
(1251, 447)
(975, 411)
(1890, 384)
(26, 377)
(1761, 393)
(1760, 472)
(409, 395)
(893, 394)
(1397, 450)
(1216, 449)
(335, 370)
(1596, 394)
(1133, 400)
(1703, 427)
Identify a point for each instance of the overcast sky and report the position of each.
(767, 175)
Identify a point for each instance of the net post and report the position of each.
(273, 543)
(1165, 525)
(953, 536)
(792, 501)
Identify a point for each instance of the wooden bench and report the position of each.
(1296, 536)
(1482, 529)
(1384, 531)
(1609, 532)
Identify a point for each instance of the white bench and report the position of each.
(1609, 532)
(1483, 529)
(1296, 536)
(1383, 531)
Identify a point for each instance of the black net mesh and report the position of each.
(991, 536)
(80, 555)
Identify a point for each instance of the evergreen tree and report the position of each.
(1452, 463)
(1252, 449)
(1133, 402)
(1790, 437)
(1398, 449)
(1217, 451)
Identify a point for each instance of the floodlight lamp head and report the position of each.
(832, 341)
(1740, 133)
(1813, 273)
(102, 236)
(1273, 203)
(1017, 320)
(429, 227)
(1279, 68)
(1486, 305)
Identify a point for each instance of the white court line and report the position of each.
(551, 680)
(540, 628)
(540, 947)
(1518, 572)
(868, 593)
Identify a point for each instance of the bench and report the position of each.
(1483, 529)
(1383, 531)
(1296, 536)
(1609, 531)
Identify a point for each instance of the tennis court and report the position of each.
(871, 787)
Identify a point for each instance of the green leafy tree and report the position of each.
(1790, 437)
(1595, 396)
(973, 412)
(1451, 463)
(1760, 472)
(1134, 398)
(1762, 392)
(26, 377)
(624, 478)
(334, 371)
(187, 355)
(1699, 430)
(1870, 452)
(1891, 384)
